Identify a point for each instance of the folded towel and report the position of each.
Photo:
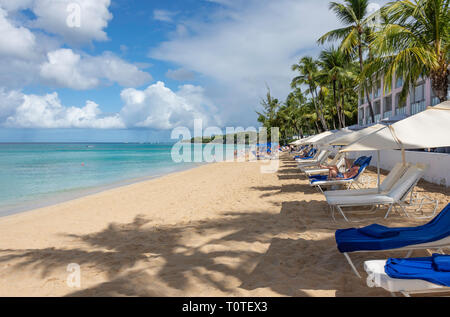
(416, 268)
(378, 231)
(441, 262)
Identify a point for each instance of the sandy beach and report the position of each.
(222, 229)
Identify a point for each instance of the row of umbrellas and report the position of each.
(427, 129)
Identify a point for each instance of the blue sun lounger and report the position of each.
(433, 235)
(359, 161)
(319, 183)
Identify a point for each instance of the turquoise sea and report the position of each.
(35, 175)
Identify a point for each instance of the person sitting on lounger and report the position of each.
(334, 172)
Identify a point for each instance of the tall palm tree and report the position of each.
(308, 70)
(414, 42)
(334, 69)
(355, 35)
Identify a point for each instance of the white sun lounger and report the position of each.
(339, 161)
(377, 277)
(395, 197)
(394, 175)
(319, 159)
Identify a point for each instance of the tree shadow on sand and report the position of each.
(142, 260)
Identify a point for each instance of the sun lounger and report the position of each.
(338, 161)
(325, 182)
(312, 154)
(394, 175)
(409, 276)
(433, 235)
(396, 196)
(319, 159)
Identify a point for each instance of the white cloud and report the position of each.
(158, 107)
(246, 44)
(163, 15)
(65, 68)
(15, 41)
(180, 74)
(33, 111)
(52, 17)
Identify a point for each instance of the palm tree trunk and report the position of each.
(322, 119)
(366, 89)
(338, 107)
(439, 82)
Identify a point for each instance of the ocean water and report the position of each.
(35, 175)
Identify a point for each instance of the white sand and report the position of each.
(218, 230)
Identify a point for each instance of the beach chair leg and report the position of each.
(352, 265)
(342, 213)
(388, 212)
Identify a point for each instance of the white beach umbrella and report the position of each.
(318, 137)
(356, 135)
(330, 138)
(427, 129)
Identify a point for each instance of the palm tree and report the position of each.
(414, 42)
(335, 68)
(355, 35)
(308, 70)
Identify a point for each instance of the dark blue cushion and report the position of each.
(351, 240)
(416, 268)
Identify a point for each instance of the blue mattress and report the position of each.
(419, 268)
(351, 240)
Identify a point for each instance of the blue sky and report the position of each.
(133, 70)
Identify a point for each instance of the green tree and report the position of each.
(308, 69)
(355, 36)
(414, 42)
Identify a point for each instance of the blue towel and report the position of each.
(441, 262)
(351, 240)
(378, 231)
(416, 268)
(319, 177)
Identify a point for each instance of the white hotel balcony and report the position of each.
(387, 102)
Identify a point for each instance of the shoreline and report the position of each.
(74, 194)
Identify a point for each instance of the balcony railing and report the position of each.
(369, 120)
(378, 117)
(435, 101)
(418, 107)
(400, 111)
(387, 115)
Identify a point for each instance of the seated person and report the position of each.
(304, 153)
(353, 170)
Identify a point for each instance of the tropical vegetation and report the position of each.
(406, 39)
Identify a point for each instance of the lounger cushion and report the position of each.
(378, 231)
(359, 200)
(416, 269)
(351, 240)
(441, 262)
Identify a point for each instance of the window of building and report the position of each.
(418, 93)
(377, 109)
(388, 103)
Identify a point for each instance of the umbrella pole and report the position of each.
(378, 171)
